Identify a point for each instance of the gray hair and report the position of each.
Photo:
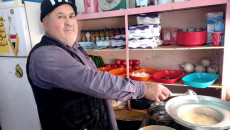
(47, 16)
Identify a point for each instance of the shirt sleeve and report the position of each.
(51, 67)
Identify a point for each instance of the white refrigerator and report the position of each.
(20, 30)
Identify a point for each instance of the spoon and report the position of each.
(189, 93)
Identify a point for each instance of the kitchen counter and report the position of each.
(126, 115)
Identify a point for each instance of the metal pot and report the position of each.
(205, 105)
(156, 127)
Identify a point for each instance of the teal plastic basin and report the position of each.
(200, 79)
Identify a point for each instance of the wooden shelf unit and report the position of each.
(173, 7)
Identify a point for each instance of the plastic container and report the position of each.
(200, 79)
(148, 71)
(105, 68)
(192, 38)
(91, 6)
(120, 72)
(168, 76)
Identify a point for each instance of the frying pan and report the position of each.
(206, 105)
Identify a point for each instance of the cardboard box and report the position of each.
(169, 35)
(213, 20)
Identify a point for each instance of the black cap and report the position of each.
(48, 6)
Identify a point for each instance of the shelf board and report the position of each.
(175, 6)
(181, 83)
(154, 8)
(165, 47)
(107, 49)
(100, 15)
(178, 47)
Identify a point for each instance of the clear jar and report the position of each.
(122, 31)
(97, 35)
(92, 35)
(83, 38)
(102, 34)
(111, 33)
(88, 39)
(117, 32)
(107, 34)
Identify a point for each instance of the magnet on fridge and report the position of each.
(14, 40)
(18, 71)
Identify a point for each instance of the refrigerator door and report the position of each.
(35, 25)
(18, 110)
(14, 32)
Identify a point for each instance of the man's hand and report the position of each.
(156, 92)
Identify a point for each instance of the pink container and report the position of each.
(91, 6)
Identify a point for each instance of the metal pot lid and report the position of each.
(210, 106)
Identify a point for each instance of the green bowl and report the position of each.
(142, 103)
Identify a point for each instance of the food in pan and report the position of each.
(196, 117)
(140, 74)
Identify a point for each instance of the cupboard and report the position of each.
(188, 14)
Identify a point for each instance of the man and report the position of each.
(71, 94)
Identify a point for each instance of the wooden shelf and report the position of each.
(178, 47)
(108, 49)
(133, 115)
(99, 15)
(166, 47)
(156, 8)
(181, 83)
(175, 6)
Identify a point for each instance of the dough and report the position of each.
(195, 117)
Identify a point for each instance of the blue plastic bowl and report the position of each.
(200, 79)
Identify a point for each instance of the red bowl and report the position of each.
(168, 76)
(191, 38)
(148, 71)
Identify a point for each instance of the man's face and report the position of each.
(62, 24)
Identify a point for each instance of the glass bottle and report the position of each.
(88, 36)
(97, 35)
(83, 35)
(117, 32)
(102, 34)
(107, 34)
(122, 31)
(111, 33)
(92, 35)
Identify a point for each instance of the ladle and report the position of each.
(189, 93)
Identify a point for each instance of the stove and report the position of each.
(157, 115)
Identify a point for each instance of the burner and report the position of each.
(158, 115)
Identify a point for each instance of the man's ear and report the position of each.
(45, 22)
